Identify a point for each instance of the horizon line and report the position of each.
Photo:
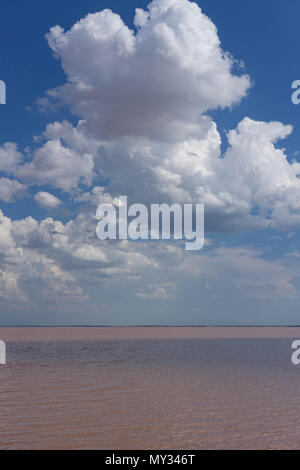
(149, 326)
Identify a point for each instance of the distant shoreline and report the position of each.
(149, 326)
(114, 333)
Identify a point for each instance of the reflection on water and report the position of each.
(150, 394)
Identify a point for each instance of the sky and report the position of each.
(169, 101)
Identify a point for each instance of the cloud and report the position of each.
(10, 157)
(47, 200)
(243, 269)
(58, 166)
(236, 187)
(154, 83)
(90, 253)
(158, 292)
(142, 97)
(49, 261)
(63, 259)
(6, 239)
(11, 190)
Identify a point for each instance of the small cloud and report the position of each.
(47, 200)
(158, 292)
(293, 254)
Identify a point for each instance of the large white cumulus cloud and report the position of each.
(142, 97)
(251, 186)
(155, 83)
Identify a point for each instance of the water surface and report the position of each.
(149, 388)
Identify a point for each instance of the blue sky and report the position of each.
(177, 291)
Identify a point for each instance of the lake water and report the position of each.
(149, 388)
